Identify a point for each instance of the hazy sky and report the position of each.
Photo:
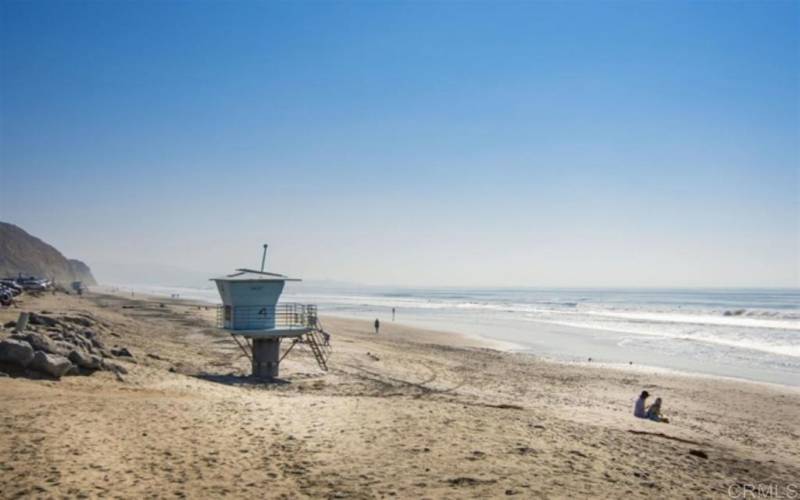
(538, 144)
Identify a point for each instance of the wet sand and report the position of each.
(410, 413)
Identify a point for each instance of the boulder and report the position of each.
(122, 352)
(16, 352)
(114, 367)
(97, 361)
(85, 360)
(51, 364)
(41, 342)
(79, 341)
(38, 319)
(63, 347)
(98, 344)
(78, 320)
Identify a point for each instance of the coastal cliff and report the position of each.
(23, 253)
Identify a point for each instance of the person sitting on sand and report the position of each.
(639, 408)
(654, 412)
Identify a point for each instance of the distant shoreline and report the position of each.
(458, 337)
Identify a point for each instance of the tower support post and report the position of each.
(266, 358)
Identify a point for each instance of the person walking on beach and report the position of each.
(393, 314)
(639, 408)
(377, 325)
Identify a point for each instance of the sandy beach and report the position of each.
(409, 413)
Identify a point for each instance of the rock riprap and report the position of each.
(55, 346)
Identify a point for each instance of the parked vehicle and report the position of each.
(33, 284)
(6, 295)
(12, 285)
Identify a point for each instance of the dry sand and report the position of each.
(408, 414)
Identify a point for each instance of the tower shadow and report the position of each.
(240, 380)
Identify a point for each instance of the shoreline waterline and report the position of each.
(552, 339)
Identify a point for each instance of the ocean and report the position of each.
(751, 334)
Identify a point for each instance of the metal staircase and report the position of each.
(316, 338)
(317, 341)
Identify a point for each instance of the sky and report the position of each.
(572, 144)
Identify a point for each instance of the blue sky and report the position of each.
(513, 143)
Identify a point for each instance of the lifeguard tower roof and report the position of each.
(253, 275)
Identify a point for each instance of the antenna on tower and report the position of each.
(264, 257)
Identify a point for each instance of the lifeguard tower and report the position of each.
(257, 322)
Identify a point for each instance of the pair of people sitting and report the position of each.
(652, 412)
